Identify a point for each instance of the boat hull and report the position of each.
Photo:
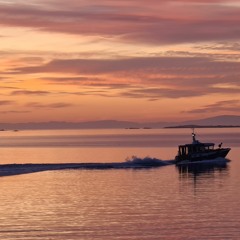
(203, 157)
(207, 162)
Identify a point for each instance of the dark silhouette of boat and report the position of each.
(198, 152)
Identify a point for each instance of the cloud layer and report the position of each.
(58, 55)
(170, 77)
(225, 106)
(158, 22)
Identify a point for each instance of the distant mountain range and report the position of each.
(217, 121)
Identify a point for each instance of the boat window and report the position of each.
(180, 151)
(183, 150)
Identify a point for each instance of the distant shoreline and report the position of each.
(203, 126)
(130, 128)
(223, 121)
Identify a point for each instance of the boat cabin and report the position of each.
(195, 148)
(189, 149)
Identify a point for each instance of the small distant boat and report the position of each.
(198, 152)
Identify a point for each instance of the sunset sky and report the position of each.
(134, 60)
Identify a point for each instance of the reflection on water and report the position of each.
(202, 178)
(196, 170)
(110, 199)
(203, 173)
(116, 138)
(121, 204)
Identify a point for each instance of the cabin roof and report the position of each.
(197, 144)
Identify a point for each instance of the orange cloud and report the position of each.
(152, 77)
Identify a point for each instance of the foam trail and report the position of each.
(133, 163)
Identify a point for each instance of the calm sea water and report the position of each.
(156, 203)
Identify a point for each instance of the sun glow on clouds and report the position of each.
(126, 60)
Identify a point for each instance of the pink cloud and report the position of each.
(226, 106)
(6, 102)
(183, 67)
(27, 92)
(50, 106)
(162, 22)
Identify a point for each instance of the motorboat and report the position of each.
(198, 152)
